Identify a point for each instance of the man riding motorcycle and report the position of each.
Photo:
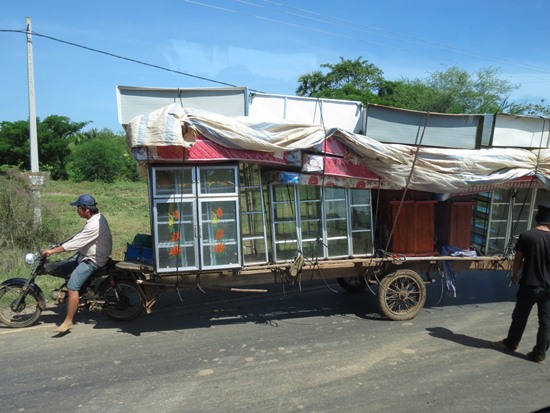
(94, 245)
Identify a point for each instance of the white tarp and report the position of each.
(433, 169)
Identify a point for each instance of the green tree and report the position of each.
(55, 135)
(452, 90)
(101, 156)
(407, 94)
(14, 144)
(54, 139)
(360, 74)
(349, 79)
(311, 84)
(462, 92)
(532, 109)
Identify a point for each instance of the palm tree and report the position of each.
(311, 84)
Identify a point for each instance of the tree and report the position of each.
(101, 156)
(452, 90)
(14, 144)
(360, 74)
(348, 79)
(532, 109)
(55, 135)
(408, 94)
(311, 84)
(463, 92)
(54, 139)
(67, 151)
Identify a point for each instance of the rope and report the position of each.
(418, 145)
(508, 247)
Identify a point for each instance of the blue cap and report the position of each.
(84, 200)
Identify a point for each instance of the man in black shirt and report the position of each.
(533, 255)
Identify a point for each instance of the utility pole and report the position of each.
(32, 103)
(36, 178)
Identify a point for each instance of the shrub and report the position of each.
(102, 159)
(22, 230)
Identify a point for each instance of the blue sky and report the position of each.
(265, 45)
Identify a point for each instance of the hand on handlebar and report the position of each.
(52, 250)
(46, 252)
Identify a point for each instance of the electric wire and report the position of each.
(349, 24)
(331, 20)
(129, 59)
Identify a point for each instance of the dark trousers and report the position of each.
(62, 268)
(526, 298)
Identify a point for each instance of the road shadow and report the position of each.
(204, 308)
(463, 339)
(468, 341)
(208, 307)
(472, 287)
(193, 309)
(190, 309)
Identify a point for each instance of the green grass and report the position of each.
(124, 204)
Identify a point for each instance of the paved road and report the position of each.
(321, 350)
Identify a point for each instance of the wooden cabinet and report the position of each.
(454, 224)
(414, 227)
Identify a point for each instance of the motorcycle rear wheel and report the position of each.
(29, 309)
(124, 301)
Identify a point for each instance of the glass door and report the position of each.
(196, 218)
(219, 236)
(176, 237)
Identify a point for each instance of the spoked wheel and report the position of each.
(124, 301)
(354, 284)
(401, 295)
(15, 312)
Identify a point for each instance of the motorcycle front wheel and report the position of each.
(18, 313)
(123, 301)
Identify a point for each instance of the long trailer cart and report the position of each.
(239, 202)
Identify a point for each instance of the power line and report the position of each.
(129, 59)
(394, 35)
(335, 21)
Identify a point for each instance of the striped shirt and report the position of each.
(94, 242)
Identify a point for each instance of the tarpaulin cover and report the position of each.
(425, 168)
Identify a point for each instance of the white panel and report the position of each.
(391, 125)
(329, 113)
(487, 134)
(337, 113)
(135, 101)
(520, 131)
(267, 107)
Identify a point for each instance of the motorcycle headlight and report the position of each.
(30, 258)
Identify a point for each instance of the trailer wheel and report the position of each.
(353, 284)
(401, 295)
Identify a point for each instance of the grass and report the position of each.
(124, 204)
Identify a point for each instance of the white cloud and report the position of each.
(209, 61)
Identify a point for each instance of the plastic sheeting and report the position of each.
(428, 169)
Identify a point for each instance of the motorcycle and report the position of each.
(110, 290)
